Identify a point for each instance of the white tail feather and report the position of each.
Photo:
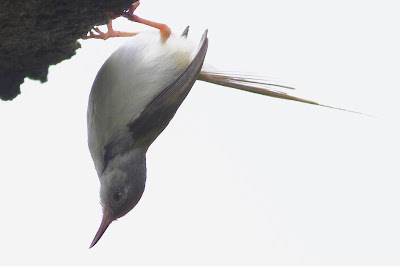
(255, 85)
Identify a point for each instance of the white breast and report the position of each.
(130, 78)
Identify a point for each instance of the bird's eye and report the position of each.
(116, 196)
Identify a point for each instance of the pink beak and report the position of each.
(105, 222)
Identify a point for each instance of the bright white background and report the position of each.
(236, 178)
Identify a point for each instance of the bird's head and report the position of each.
(122, 186)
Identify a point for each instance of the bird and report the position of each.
(135, 95)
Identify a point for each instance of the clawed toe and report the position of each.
(164, 29)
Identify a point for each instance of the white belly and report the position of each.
(130, 78)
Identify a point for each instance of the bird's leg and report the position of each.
(133, 7)
(164, 29)
(110, 33)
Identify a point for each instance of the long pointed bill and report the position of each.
(105, 222)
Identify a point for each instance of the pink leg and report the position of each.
(164, 29)
(133, 7)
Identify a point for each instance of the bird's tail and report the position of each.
(254, 84)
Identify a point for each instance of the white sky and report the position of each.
(236, 178)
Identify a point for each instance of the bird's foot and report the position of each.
(165, 31)
(110, 33)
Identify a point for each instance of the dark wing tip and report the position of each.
(185, 32)
(203, 43)
(204, 36)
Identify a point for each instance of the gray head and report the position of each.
(122, 185)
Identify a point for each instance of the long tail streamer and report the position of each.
(255, 85)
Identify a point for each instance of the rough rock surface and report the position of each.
(35, 34)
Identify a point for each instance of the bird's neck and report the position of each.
(132, 163)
